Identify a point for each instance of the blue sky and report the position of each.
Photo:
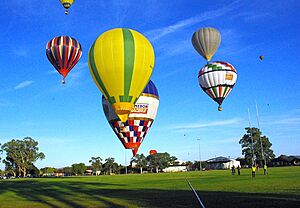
(68, 121)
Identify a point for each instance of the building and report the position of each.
(220, 163)
(284, 160)
(58, 174)
(88, 172)
(177, 168)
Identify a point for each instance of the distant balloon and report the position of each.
(152, 152)
(217, 80)
(66, 4)
(140, 119)
(63, 52)
(121, 63)
(206, 41)
(261, 57)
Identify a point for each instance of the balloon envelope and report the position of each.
(217, 80)
(63, 52)
(152, 152)
(66, 4)
(134, 151)
(206, 41)
(121, 63)
(140, 119)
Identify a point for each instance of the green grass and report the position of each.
(281, 188)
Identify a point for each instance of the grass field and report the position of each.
(281, 188)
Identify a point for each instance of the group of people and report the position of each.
(253, 168)
(238, 170)
(256, 169)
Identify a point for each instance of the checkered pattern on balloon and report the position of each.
(132, 132)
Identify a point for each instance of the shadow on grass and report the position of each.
(67, 193)
(238, 199)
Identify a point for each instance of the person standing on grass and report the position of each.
(257, 167)
(253, 171)
(233, 170)
(265, 169)
(239, 170)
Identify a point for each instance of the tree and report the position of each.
(33, 171)
(140, 161)
(173, 160)
(10, 167)
(0, 152)
(68, 171)
(78, 168)
(20, 155)
(189, 165)
(254, 134)
(96, 164)
(116, 168)
(196, 165)
(242, 161)
(47, 171)
(160, 161)
(110, 166)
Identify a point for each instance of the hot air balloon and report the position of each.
(152, 152)
(261, 57)
(206, 41)
(139, 121)
(63, 52)
(217, 80)
(121, 63)
(66, 4)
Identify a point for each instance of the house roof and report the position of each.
(218, 160)
(284, 158)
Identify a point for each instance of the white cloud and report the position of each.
(5, 104)
(161, 32)
(208, 124)
(20, 52)
(54, 141)
(251, 16)
(28, 123)
(23, 85)
(81, 65)
(174, 48)
(287, 121)
(256, 16)
(225, 140)
(52, 72)
(282, 125)
(3, 91)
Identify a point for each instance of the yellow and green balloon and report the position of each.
(121, 62)
(66, 4)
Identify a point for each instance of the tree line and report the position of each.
(22, 154)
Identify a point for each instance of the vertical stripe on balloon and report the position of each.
(128, 64)
(97, 76)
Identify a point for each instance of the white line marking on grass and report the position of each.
(199, 200)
